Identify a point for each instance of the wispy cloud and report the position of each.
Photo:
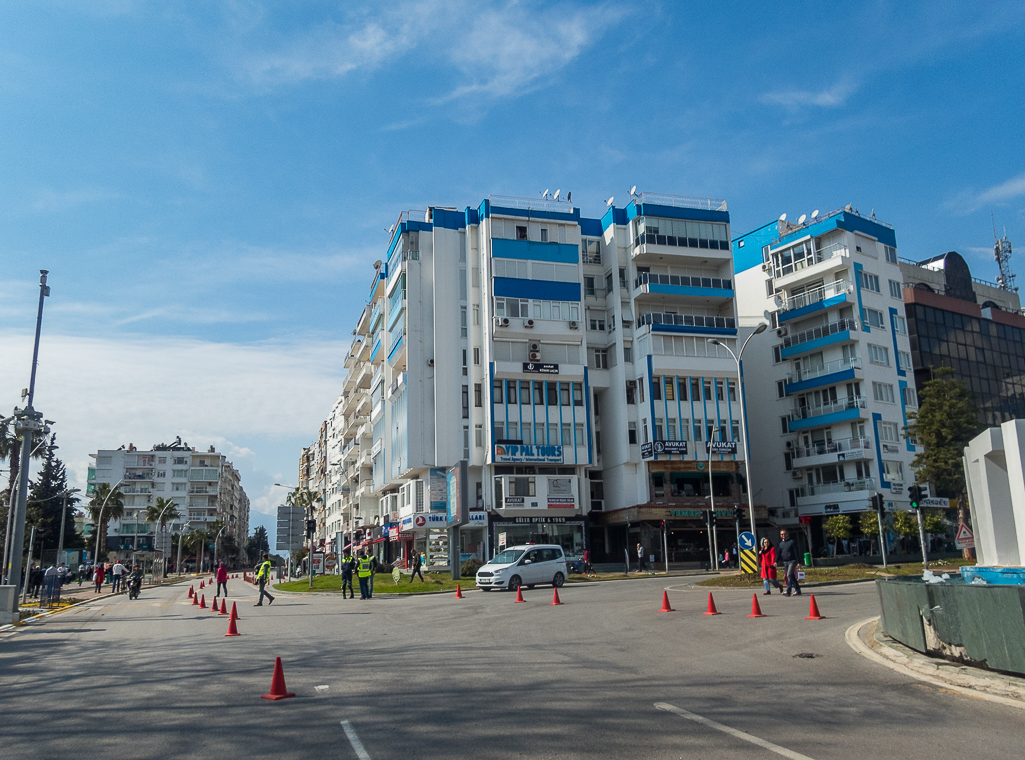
(49, 200)
(793, 99)
(969, 201)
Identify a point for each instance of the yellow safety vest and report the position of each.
(263, 571)
(364, 568)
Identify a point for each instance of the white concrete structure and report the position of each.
(995, 466)
(830, 401)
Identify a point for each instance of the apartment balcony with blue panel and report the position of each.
(820, 415)
(830, 373)
(817, 338)
(832, 451)
(660, 286)
(833, 498)
(693, 324)
(807, 302)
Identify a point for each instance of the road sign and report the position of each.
(937, 503)
(747, 540)
(749, 561)
(964, 539)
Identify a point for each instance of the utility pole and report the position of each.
(64, 514)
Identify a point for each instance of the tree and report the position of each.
(839, 528)
(257, 544)
(869, 524)
(45, 501)
(945, 422)
(167, 507)
(114, 510)
(905, 525)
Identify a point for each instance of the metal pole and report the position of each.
(18, 539)
(28, 565)
(921, 539)
(309, 559)
(882, 536)
(711, 502)
(60, 540)
(665, 545)
(8, 534)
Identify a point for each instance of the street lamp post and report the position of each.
(180, 536)
(64, 514)
(99, 519)
(163, 549)
(743, 420)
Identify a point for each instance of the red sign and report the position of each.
(420, 521)
(805, 520)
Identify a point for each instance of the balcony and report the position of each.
(829, 373)
(833, 498)
(830, 452)
(688, 323)
(139, 475)
(682, 285)
(818, 337)
(848, 408)
(808, 263)
(810, 301)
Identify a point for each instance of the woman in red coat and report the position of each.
(98, 577)
(767, 561)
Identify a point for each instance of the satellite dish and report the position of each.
(391, 229)
(545, 193)
(783, 217)
(778, 300)
(377, 264)
(801, 219)
(848, 207)
(609, 201)
(556, 196)
(633, 190)
(569, 198)
(814, 213)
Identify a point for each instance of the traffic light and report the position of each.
(711, 519)
(311, 528)
(915, 494)
(877, 503)
(738, 513)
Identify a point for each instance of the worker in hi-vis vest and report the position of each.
(364, 569)
(262, 578)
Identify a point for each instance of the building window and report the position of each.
(466, 403)
(777, 356)
(891, 254)
(630, 395)
(893, 471)
(784, 425)
(462, 321)
(900, 325)
(524, 393)
(567, 434)
(521, 233)
(622, 278)
(905, 360)
(656, 388)
(553, 394)
(671, 429)
(883, 392)
(600, 358)
(628, 352)
(596, 324)
(631, 432)
(708, 391)
(539, 393)
(910, 397)
(564, 394)
(889, 432)
(476, 315)
(644, 430)
(589, 286)
(544, 234)
(875, 318)
(781, 390)
(497, 391)
(478, 395)
(578, 394)
(640, 389)
(895, 290)
(699, 431)
(879, 355)
(478, 436)
(476, 357)
(466, 442)
(670, 383)
(870, 281)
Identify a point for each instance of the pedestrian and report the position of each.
(348, 565)
(374, 565)
(417, 568)
(363, 572)
(81, 573)
(588, 569)
(734, 559)
(786, 555)
(222, 579)
(51, 581)
(118, 574)
(262, 578)
(767, 562)
(640, 558)
(98, 578)
(35, 580)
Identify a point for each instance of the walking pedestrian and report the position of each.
(640, 558)
(786, 555)
(588, 569)
(767, 562)
(374, 565)
(98, 577)
(417, 568)
(348, 565)
(363, 572)
(734, 555)
(117, 572)
(81, 573)
(222, 579)
(262, 578)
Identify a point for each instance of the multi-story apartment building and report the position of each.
(566, 360)
(205, 486)
(830, 402)
(973, 326)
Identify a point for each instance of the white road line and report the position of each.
(357, 745)
(731, 731)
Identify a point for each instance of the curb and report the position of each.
(862, 638)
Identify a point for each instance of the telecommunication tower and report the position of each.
(1002, 253)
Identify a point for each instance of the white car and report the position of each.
(526, 565)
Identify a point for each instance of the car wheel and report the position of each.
(515, 583)
(558, 580)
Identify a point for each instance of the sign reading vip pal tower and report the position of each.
(514, 452)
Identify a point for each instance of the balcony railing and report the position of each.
(139, 475)
(833, 447)
(833, 328)
(840, 405)
(826, 369)
(844, 486)
(679, 280)
(808, 297)
(680, 201)
(688, 320)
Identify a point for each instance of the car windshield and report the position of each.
(507, 557)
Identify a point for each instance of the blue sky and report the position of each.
(209, 183)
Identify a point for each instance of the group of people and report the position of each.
(36, 579)
(364, 567)
(120, 576)
(786, 556)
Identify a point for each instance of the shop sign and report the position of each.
(501, 539)
(541, 369)
(438, 485)
(423, 520)
(718, 447)
(519, 502)
(561, 502)
(539, 519)
(511, 452)
(830, 508)
(698, 513)
(477, 519)
(670, 447)
(646, 452)
(393, 533)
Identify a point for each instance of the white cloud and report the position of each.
(1005, 191)
(831, 97)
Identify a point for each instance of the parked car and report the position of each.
(527, 565)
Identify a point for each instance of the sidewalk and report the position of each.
(868, 640)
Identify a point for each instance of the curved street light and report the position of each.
(99, 519)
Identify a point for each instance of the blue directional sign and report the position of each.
(747, 540)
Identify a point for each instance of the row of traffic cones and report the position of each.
(519, 595)
(756, 609)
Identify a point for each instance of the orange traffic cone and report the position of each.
(224, 608)
(195, 600)
(233, 631)
(278, 690)
(555, 596)
(234, 611)
(756, 610)
(519, 595)
(202, 602)
(711, 606)
(213, 607)
(459, 593)
(202, 585)
(813, 613)
(192, 592)
(666, 606)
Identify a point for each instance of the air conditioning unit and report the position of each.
(573, 325)
(430, 362)
(535, 347)
(767, 266)
(528, 322)
(796, 474)
(501, 321)
(783, 332)
(790, 444)
(535, 356)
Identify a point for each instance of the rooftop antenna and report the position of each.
(609, 201)
(1002, 253)
(569, 196)
(556, 196)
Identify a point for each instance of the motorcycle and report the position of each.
(134, 587)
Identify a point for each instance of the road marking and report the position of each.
(731, 731)
(357, 745)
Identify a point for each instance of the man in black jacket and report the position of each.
(786, 555)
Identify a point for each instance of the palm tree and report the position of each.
(164, 510)
(114, 510)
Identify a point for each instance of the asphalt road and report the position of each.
(482, 677)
